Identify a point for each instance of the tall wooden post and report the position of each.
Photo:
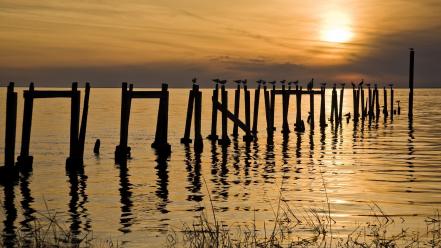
(213, 135)
(377, 102)
(370, 102)
(334, 110)
(391, 102)
(273, 103)
(247, 136)
(186, 139)
(24, 159)
(122, 150)
(198, 142)
(340, 111)
(411, 68)
(311, 105)
(225, 140)
(83, 127)
(236, 108)
(256, 107)
(11, 126)
(299, 125)
(322, 107)
(160, 142)
(363, 112)
(73, 161)
(285, 126)
(385, 111)
(269, 127)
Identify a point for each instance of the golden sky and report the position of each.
(173, 40)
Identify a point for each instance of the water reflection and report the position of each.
(27, 200)
(162, 182)
(77, 204)
(9, 229)
(125, 191)
(193, 167)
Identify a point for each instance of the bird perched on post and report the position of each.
(391, 85)
(353, 85)
(323, 84)
(238, 81)
(283, 82)
(223, 82)
(310, 84)
(194, 80)
(216, 80)
(244, 81)
(260, 81)
(361, 83)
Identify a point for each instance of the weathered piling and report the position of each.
(198, 141)
(299, 125)
(224, 95)
(236, 107)
(377, 102)
(256, 106)
(322, 107)
(334, 107)
(273, 104)
(248, 136)
(186, 139)
(363, 105)
(385, 110)
(269, 127)
(311, 103)
(391, 102)
(74, 125)
(340, 111)
(213, 135)
(411, 69)
(370, 102)
(83, 127)
(354, 96)
(160, 143)
(24, 160)
(96, 147)
(122, 151)
(285, 106)
(11, 126)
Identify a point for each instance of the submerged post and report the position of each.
(122, 151)
(411, 68)
(213, 135)
(391, 101)
(224, 94)
(161, 134)
(72, 160)
(198, 141)
(236, 107)
(256, 107)
(299, 126)
(82, 137)
(186, 139)
(24, 160)
(322, 107)
(11, 126)
(311, 103)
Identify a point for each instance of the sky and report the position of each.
(106, 42)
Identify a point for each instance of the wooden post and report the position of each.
(121, 151)
(334, 110)
(256, 108)
(236, 108)
(186, 139)
(269, 128)
(213, 135)
(354, 99)
(24, 159)
(322, 108)
(161, 134)
(198, 142)
(248, 136)
(385, 111)
(311, 105)
(391, 102)
(82, 137)
(377, 102)
(299, 125)
(285, 126)
(72, 161)
(11, 126)
(340, 111)
(225, 140)
(273, 101)
(370, 103)
(363, 112)
(411, 69)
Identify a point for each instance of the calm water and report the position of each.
(396, 166)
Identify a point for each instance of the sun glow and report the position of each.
(336, 28)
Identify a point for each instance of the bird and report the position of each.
(272, 82)
(238, 81)
(283, 81)
(324, 84)
(391, 85)
(216, 80)
(244, 81)
(194, 80)
(260, 81)
(223, 81)
(353, 85)
(310, 84)
(361, 83)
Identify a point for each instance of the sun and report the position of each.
(337, 34)
(336, 27)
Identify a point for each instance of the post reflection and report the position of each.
(27, 200)
(193, 167)
(10, 211)
(79, 218)
(126, 218)
(162, 182)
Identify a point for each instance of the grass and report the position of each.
(310, 227)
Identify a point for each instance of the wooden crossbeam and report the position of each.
(147, 94)
(294, 92)
(231, 116)
(48, 93)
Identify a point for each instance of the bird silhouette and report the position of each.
(194, 80)
(283, 82)
(216, 80)
(324, 84)
(353, 85)
(272, 82)
(238, 81)
(223, 81)
(260, 81)
(244, 81)
(310, 84)
(361, 83)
